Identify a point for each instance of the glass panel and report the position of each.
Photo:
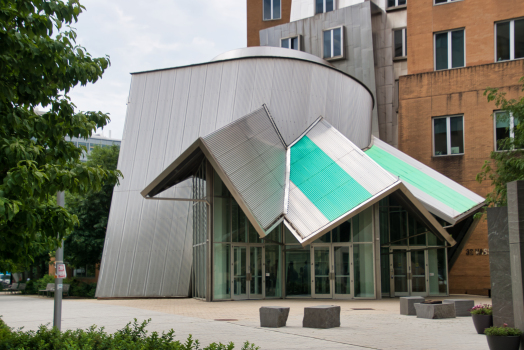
(239, 220)
(434, 241)
(501, 129)
(519, 38)
(324, 239)
(440, 136)
(401, 2)
(294, 43)
(284, 43)
(290, 238)
(221, 278)
(329, 6)
(222, 231)
(327, 44)
(253, 234)
(343, 232)
(398, 43)
(239, 270)
(391, 3)
(441, 51)
(418, 271)
(438, 279)
(440, 1)
(319, 6)
(255, 262)
(267, 9)
(398, 228)
(363, 226)
(456, 127)
(276, 9)
(363, 263)
(342, 280)
(384, 270)
(274, 236)
(273, 271)
(405, 42)
(322, 282)
(503, 50)
(457, 49)
(337, 42)
(384, 225)
(298, 273)
(400, 271)
(416, 228)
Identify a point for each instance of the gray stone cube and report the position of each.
(321, 316)
(435, 311)
(462, 306)
(273, 316)
(407, 305)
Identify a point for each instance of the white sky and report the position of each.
(153, 34)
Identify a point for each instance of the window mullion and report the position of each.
(332, 42)
(449, 50)
(512, 40)
(271, 4)
(404, 53)
(448, 135)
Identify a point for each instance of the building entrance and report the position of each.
(247, 270)
(409, 271)
(331, 266)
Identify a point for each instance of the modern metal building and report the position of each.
(256, 175)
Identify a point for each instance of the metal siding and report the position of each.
(263, 83)
(299, 205)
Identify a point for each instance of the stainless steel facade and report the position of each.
(148, 247)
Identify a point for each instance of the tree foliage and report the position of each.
(505, 166)
(39, 64)
(85, 244)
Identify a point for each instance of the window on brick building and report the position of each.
(291, 42)
(450, 49)
(272, 10)
(322, 6)
(400, 40)
(395, 3)
(444, 1)
(509, 40)
(448, 135)
(505, 125)
(332, 44)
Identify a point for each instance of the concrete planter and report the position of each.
(482, 322)
(503, 343)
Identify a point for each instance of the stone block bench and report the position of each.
(435, 311)
(273, 316)
(462, 306)
(407, 305)
(321, 316)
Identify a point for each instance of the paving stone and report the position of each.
(407, 305)
(435, 311)
(273, 316)
(321, 316)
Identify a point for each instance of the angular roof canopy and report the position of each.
(440, 195)
(312, 185)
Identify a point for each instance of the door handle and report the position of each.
(248, 276)
(331, 275)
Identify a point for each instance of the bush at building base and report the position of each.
(132, 336)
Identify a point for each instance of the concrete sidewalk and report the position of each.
(380, 328)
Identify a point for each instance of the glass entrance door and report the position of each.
(408, 273)
(331, 271)
(247, 269)
(342, 263)
(322, 272)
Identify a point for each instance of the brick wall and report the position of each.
(255, 21)
(458, 91)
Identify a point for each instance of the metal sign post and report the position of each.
(60, 273)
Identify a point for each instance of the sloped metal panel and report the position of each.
(245, 149)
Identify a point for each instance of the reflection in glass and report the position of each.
(239, 221)
(273, 271)
(363, 226)
(342, 280)
(289, 237)
(337, 42)
(298, 272)
(319, 6)
(221, 278)
(503, 49)
(457, 49)
(398, 228)
(294, 43)
(398, 43)
(400, 271)
(440, 136)
(329, 5)
(255, 260)
(456, 126)
(501, 129)
(239, 270)
(384, 270)
(519, 38)
(327, 44)
(284, 43)
(441, 51)
(418, 270)
(276, 9)
(322, 285)
(267, 9)
(438, 277)
(416, 232)
(363, 270)
(254, 237)
(342, 233)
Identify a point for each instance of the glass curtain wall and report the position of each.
(199, 233)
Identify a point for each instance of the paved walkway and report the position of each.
(380, 328)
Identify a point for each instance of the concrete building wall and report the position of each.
(449, 92)
(255, 19)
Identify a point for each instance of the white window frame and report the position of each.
(511, 129)
(397, 5)
(289, 39)
(511, 39)
(324, 6)
(448, 135)
(404, 38)
(444, 3)
(449, 48)
(332, 44)
(272, 16)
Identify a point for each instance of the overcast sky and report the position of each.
(144, 35)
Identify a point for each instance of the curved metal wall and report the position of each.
(148, 244)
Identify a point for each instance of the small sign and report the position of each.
(61, 271)
(59, 286)
(267, 274)
(431, 274)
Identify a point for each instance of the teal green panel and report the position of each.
(332, 190)
(420, 180)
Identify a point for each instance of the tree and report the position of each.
(85, 244)
(39, 64)
(505, 166)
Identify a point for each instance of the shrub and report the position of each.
(132, 337)
(503, 331)
(481, 309)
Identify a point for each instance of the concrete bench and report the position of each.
(407, 305)
(462, 306)
(435, 311)
(321, 316)
(273, 316)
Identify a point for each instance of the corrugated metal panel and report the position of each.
(302, 213)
